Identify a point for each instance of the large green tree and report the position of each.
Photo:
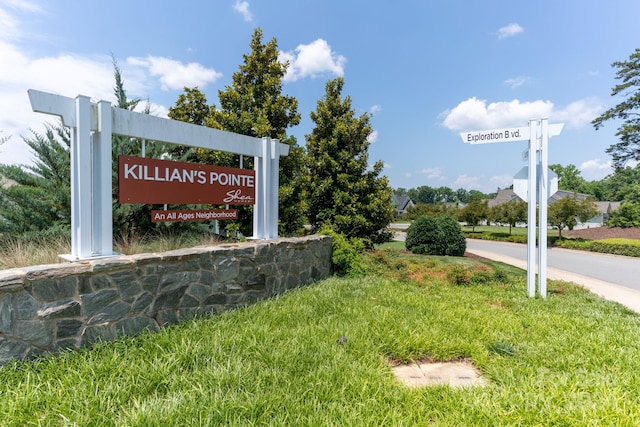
(254, 105)
(343, 190)
(566, 212)
(509, 213)
(569, 178)
(619, 185)
(628, 215)
(627, 110)
(474, 213)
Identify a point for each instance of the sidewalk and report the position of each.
(628, 297)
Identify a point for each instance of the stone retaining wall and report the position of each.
(52, 307)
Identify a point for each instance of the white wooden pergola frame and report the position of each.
(92, 126)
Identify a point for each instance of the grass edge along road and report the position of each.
(573, 359)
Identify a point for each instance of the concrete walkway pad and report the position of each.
(454, 374)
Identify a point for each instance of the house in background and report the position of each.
(401, 204)
(605, 209)
(503, 196)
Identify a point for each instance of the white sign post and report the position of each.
(92, 126)
(539, 187)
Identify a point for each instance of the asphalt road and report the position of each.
(619, 270)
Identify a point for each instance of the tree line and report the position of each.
(326, 183)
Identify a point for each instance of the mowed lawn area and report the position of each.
(322, 356)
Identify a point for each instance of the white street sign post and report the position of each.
(538, 187)
(531, 204)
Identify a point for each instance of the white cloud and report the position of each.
(242, 7)
(313, 60)
(70, 74)
(509, 30)
(375, 109)
(595, 169)
(580, 112)
(432, 173)
(373, 137)
(174, 75)
(468, 182)
(502, 181)
(516, 82)
(476, 114)
(9, 24)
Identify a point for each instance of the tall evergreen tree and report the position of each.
(253, 105)
(628, 110)
(39, 198)
(40, 195)
(342, 190)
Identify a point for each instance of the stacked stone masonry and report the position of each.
(47, 308)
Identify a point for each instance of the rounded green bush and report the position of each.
(436, 236)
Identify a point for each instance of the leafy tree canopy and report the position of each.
(569, 178)
(474, 213)
(566, 212)
(433, 195)
(509, 213)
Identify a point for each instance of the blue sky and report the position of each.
(425, 70)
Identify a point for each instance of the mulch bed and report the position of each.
(598, 233)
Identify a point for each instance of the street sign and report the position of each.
(534, 183)
(521, 182)
(504, 135)
(495, 135)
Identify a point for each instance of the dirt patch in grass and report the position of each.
(474, 256)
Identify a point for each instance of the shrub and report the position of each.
(458, 275)
(346, 257)
(436, 236)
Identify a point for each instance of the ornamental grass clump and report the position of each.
(441, 235)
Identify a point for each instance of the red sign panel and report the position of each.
(153, 181)
(193, 215)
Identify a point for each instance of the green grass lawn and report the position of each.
(572, 359)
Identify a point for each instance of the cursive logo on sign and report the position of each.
(235, 196)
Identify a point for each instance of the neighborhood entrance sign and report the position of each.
(92, 127)
(153, 181)
(540, 184)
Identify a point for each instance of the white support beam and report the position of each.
(102, 182)
(274, 185)
(92, 126)
(531, 203)
(543, 192)
(152, 128)
(81, 182)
